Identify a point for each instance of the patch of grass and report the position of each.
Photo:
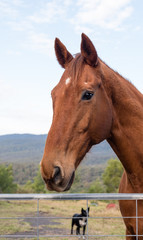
(12, 226)
(17, 208)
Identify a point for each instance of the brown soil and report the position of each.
(47, 226)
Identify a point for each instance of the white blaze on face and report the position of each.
(67, 80)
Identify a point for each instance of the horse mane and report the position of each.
(120, 79)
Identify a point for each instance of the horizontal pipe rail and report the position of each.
(74, 196)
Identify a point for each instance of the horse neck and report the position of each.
(126, 133)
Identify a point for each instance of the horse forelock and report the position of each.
(76, 67)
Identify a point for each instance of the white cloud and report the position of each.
(41, 43)
(18, 2)
(81, 28)
(20, 26)
(6, 9)
(85, 15)
(7, 96)
(138, 28)
(51, 11)
(107, 14)
(6, 89)
(13, 53)
(33, 39)
(10, 8)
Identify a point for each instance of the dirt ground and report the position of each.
(46, 226)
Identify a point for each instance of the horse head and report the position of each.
(82, 114)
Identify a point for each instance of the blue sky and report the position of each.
(28, 67)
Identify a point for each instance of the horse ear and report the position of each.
(62, 54)
(88, 51)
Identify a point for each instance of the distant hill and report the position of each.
(25, 151)
(29, 148)
(21, 148)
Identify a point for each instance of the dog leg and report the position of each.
(72, 227)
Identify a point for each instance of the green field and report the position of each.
(59, 223)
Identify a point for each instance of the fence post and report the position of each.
(87, 218)
(37, 219)
(136, 219)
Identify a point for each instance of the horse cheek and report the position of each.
(102, 121)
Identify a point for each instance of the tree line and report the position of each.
(110, 179)
(106, 182)
(7, 184)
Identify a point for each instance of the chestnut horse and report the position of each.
(91, 103)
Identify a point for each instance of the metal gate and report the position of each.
(66, 197)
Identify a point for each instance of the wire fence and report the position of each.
(66, 197)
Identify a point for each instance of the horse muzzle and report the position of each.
(59, 181)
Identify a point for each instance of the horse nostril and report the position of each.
(57, 175)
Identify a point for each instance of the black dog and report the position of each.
(80, 220)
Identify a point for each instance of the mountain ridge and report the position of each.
(28, 148)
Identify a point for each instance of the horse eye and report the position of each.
(87, 95)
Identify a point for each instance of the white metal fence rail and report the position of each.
(85, 196)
